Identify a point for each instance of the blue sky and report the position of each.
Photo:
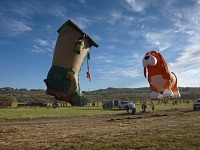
(124, 29)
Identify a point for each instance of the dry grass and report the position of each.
(174, 129)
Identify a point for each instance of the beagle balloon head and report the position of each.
(152, 59)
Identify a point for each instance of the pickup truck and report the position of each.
(196, 105)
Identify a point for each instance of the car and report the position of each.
(123, 104)
(131, 105)
(196, 105)
(36, 104)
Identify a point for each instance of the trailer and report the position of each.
(110, 104)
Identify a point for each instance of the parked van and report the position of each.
(122, 104)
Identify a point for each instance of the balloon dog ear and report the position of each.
(145, 72)
(165, 69)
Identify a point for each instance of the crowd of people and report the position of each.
(143, 107)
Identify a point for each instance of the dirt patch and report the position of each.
(170, 129)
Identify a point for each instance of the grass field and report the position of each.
(34, 112)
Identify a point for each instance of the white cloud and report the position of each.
(13, 27)
(161, 40)
(130, 73)
(189, 78)
(42, 42)
(111, 73)
(27, 9)
(189, 57)
(42, 46)
(189, 27)
(17, 8)
(96, 37)
(186, 20)
(111, 68)
(114, 17)
(55, 10)
(50, 28)
(110, 47)
(82, 22)
(132, 61)
(137, 5)
(82, 1)
(106, 58)
(40, 50)
(118, 18)
(18, 26)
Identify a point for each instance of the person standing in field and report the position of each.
(152, 106)
(144, 107)
(48, 105)
(127, 108)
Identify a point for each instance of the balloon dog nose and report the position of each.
(146, 57)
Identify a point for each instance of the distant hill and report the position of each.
(142, 93)
(133, 94)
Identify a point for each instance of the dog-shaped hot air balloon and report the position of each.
(163, 83)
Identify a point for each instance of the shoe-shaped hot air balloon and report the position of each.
(72, 47)
(163, 83)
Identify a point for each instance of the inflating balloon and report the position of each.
(163, 83)
(72, 47)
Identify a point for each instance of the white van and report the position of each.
(123, 104)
